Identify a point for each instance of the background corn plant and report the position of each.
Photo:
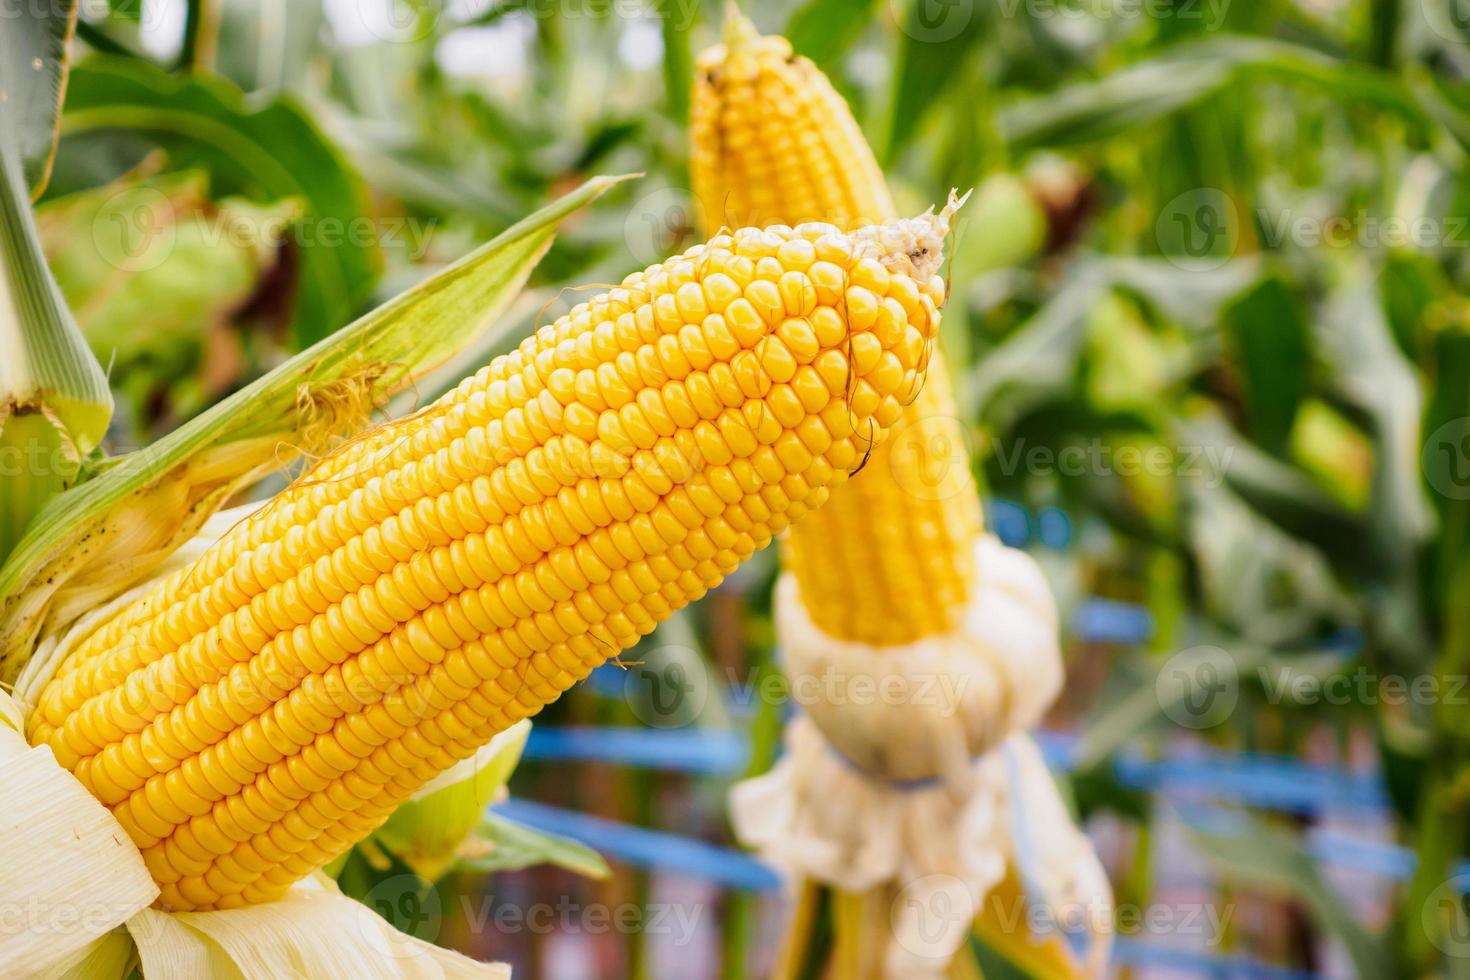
(1207, 325)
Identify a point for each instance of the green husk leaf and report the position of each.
(678, 58)
(108, 957)
(37, 461)
(505, 845)
(428, 831)
(54, 400)
(107, 533)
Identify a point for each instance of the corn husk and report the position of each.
(314, 931)
(429, 831)
(928, 805)
(925, 709)
(70, 870)
(54, 400)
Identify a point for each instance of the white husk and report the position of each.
(935, 796)
(70, 873)
(314, 931)
(926, 708)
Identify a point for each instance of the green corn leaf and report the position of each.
(1269, 333)
(1274, 858)
(824, 30)
(937, 40)
(1148, 91)
(677, 20)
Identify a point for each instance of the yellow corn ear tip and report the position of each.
(772, 141)
(261, 710)
(739, 32)
(915, 246)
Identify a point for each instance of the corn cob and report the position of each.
(889, 559)
(259, 711)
